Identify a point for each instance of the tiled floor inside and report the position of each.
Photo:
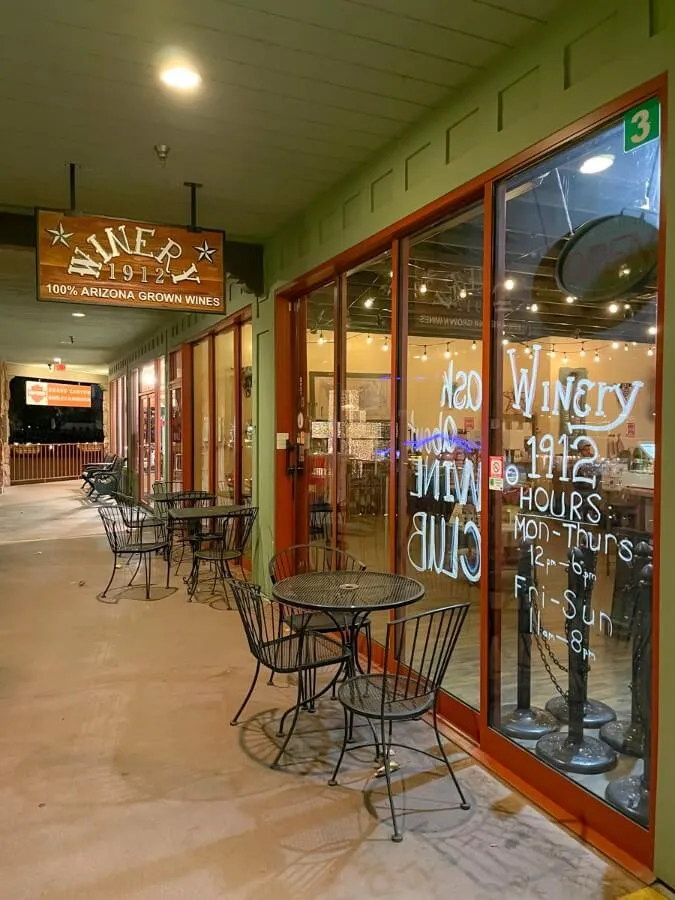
(121, 779)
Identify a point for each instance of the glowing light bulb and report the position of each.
(615, 345)
(447, 351)
(509, 284)
(613, 308)
(582, 352)
(385, 346)
(423, 288)
(369, 340)
(625, 347)
(534, 307)
(505, 341)
(369, 302)
(565, 359)
(650, 352)
(424, 355)
(596, 358)
(462, 294)
(473, 345)
(182, 78)
(527, 350)
(322, 339)
(651, 329)
(570, 299)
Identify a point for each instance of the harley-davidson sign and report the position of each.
(113, 262)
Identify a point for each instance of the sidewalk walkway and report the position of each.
(121, 779)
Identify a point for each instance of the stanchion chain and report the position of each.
(539, 639)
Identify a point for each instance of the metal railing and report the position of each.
(32, 463)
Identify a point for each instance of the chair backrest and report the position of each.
(311, 558)
(265, 624)
(191, 499)
(162, 488)
(233, 529)
(420, 648)
(127, 523)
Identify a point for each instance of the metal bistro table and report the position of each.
(355, 594)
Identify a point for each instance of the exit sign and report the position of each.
(642, 124)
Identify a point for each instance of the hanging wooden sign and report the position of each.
(114, 262)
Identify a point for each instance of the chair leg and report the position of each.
(289, 733)
(348, 717)
(369, 647)
(147, 564)
(138, 566)
(397, 837)
(248, 695)
(464, 802)
(107, 587)
(168, 565)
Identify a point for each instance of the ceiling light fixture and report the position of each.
(57, 359)
(595, 164)
(181, 78)
(79, 315)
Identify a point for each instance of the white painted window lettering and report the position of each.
(434, 539)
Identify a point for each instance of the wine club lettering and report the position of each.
(448, 546)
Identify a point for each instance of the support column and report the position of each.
(105, 390)
(4, 428)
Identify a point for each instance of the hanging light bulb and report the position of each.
(447, 351)
(473, 345)
(651, 329)
(582, 352)
(615, 345)
(650, 352)
(423, 288)
(424, 355)
(385, 346)
(322, 339)
(505, 341)
(570, 299)
(613, 308)
(462, 294)
(527, 350)
(565, 358)
(509, 284)
(625, 347)
(551, 352)
(535, 307)
(369, 302)
(596, 358)
(369, 340)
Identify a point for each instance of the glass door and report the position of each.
(246, 412)
(226, 416)
(147, 425)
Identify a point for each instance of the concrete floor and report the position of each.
(121, 779)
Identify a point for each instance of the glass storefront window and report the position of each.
(226, 419)
(201, 427)
(440, 453)
(574, 448)
(246, 411)
(319, 373)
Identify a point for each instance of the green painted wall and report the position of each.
(595, 51)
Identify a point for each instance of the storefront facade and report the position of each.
(471, 341)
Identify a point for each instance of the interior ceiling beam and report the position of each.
(244, 262)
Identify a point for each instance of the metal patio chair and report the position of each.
(90, 468)
(180, 533)
(420, 647)
(220, 543)
(302, 651)
(106, 482)
(316, 558)
(132, 531)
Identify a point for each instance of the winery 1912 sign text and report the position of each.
(114, 262)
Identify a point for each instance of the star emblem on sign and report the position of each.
(206, 252)
(59, 235)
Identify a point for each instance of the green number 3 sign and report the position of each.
(642, 124)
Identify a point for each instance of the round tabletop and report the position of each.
(341, 591)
